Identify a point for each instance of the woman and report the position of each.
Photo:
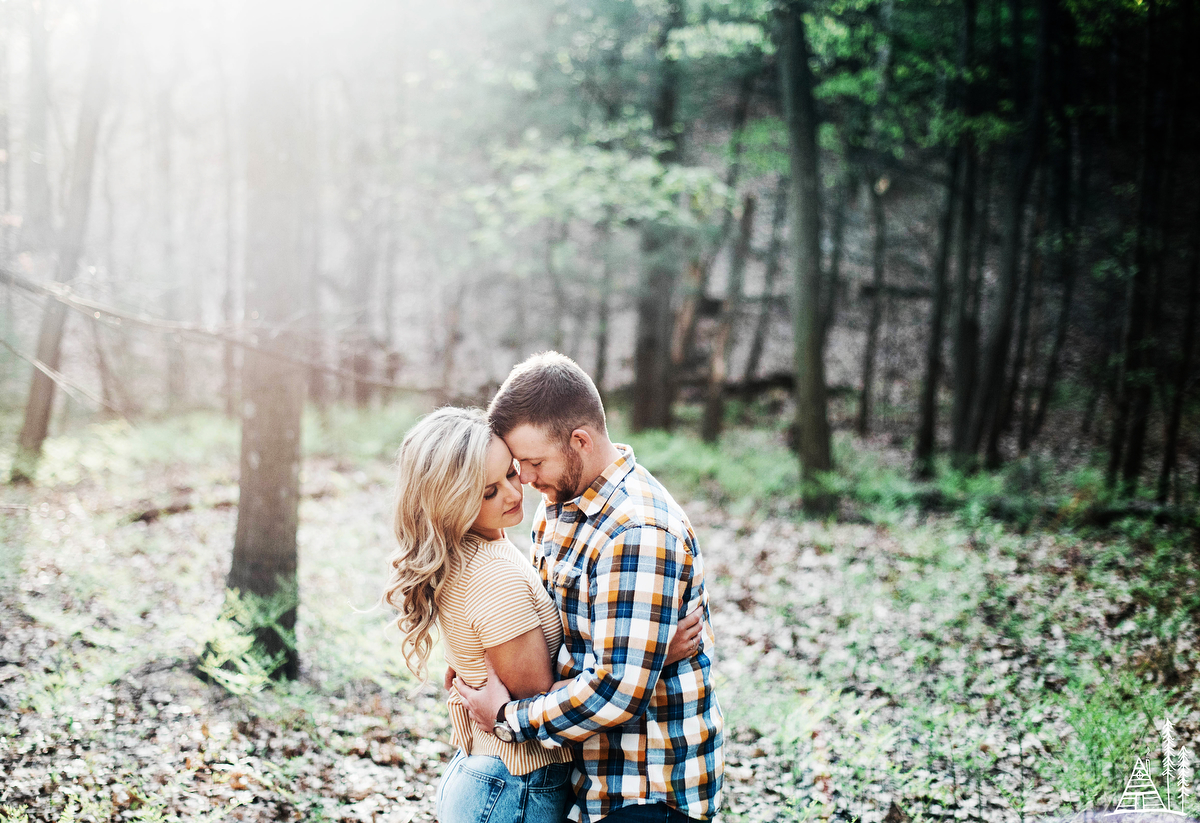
(458, 490)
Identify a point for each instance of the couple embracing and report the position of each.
(581, 684)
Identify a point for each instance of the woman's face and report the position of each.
(502, 495)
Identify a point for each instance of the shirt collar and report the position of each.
(596, 495)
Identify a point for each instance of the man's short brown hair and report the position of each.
(550, 391)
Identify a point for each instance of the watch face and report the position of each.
(503, 732)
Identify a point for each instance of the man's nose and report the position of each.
(527, 474)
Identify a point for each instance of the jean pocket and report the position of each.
(549, 795)
(468, 795)
(549, 778)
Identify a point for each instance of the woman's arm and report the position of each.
(523, 664)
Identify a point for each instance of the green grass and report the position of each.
(119, 449)
(747, 471)
(351, 434)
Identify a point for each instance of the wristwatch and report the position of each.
(502, 730)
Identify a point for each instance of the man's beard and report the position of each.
(568, 485)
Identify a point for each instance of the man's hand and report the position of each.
(484, 703)
(687, 639)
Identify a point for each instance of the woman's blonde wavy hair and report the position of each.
(439, 489)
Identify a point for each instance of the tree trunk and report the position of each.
(604, 305)
(722, 347)
(1035, 341)
(37, 228)
(264, 551)
(173, 291)
(1064, 145)
(683, 338)
(758, 343)
(312, 253)
(927, 423)
(6, 177)
(812, 422)
(393, 359)
(1022, 359)
(229, 284)
(102, 367)
(453, 335)
(878, 257)
(1179, 389)
(652, 373)
(1140, 331)
(561, 310)
(990, 395)
(878, 185)
(652, 352)
(41, 389)
(961, 174)
(966, 324)
(1064, 257)
(837, 237)
(364, 259)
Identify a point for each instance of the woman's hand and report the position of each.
(484, 703)
(518, 668)
(688, 637)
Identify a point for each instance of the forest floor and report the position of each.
(885, 665)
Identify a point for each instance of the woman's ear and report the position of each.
(582, 440)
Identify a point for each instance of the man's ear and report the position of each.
(582, 440)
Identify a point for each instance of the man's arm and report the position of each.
(638, 581)
(487, 702)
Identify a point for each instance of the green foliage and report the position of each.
(231, 655)
(749, 470)
(885, 492)
(571, 180)
(13, 814)
(716, 39)
(350, 433)
(1113, 716)
(765, 146)
(119, 449)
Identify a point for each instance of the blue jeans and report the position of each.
(646, 813)
(477, 788)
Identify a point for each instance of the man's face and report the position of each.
(556, 471)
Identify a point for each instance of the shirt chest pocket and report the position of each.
(569, 596)
(565, 581)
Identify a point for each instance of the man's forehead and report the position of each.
(529, 442)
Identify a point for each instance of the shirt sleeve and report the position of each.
(499, 603)
(635, 591)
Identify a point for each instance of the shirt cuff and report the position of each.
(510, 718)
(516, 714)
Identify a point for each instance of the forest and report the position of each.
(898, 298)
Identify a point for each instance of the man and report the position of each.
(621, 562)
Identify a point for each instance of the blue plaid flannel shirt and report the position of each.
(622, 564)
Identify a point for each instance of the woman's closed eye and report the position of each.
(490, 492)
